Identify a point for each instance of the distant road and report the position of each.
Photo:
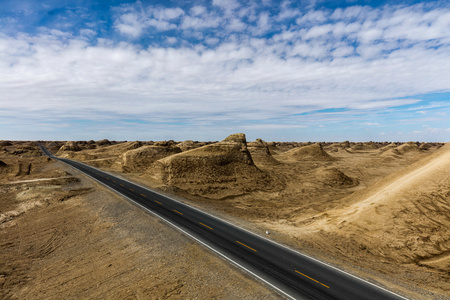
(292, 274)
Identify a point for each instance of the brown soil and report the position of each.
(378, 210)
(62, 236)
(321, 206)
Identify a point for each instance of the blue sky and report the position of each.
(201, 70)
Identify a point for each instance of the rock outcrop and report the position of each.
(5, 143)
(260, 153)
(138, 160)
(104, 142)
(408, 147)
(52, 147)
(338, 147)
(364, 146)
(189, 145)
(216, 171)
(394, 151)
(312, 152)
(69, 146)
(335, 178)
(3, 167)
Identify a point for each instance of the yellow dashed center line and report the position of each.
(205, 225)
(246, 246)
(312, 279)
(121, 184)
(158, 202)
(178, 212)
(131, 189)
(143, 195)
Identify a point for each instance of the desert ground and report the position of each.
(378, 210)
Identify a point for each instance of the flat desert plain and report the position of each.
(378, 210)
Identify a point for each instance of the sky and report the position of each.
(312, 70)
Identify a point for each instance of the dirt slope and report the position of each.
(404, 218)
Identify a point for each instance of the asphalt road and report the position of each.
(292, 274)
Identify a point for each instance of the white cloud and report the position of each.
(212, 41)
(350, 13)
(197, 23)
(87, 32)
(430, 133)
(313, 16)
(343, 51)
(130, 24)
(166, 13)
(171, 40)
(272, 126)
(350, 59)
(263, 24)
(370, 35)
(198, 10)
(236, 25)
(287, 12)
(133, 20)
(160, 24)
(226, 4)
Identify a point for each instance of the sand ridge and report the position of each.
(399, 187)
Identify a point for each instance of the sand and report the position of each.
(378, 210)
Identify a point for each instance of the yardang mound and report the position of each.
(260, 153)
(408, 147)
(335, 178)
(310, 152)
(69, 146)
(141, 158)
(215, 171)
(4, 167)
(189, 145)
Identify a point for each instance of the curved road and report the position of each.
(292, 274)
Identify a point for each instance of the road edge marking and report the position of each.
(213, 216)
(191, 236)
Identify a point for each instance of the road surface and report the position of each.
(292, 274)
